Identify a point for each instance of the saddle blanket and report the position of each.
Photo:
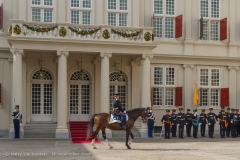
(117, 119)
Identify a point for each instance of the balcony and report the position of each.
(20, 28)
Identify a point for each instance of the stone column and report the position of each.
(17, 85)
(232, 86)
(187, 84)
(62, 130)
(104, 101)
(146, 89)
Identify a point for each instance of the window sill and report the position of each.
(164, 107)
(206, 42)
(166, 40)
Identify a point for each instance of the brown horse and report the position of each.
(101, 122)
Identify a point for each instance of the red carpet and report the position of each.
(79, 132)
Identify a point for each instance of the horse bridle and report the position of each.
(145, 119)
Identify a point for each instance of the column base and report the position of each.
(12, 133)
(108, 134)
(143, 131)
(62, 134)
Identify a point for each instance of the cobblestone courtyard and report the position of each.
(155, 148)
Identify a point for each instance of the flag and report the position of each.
(195, 98)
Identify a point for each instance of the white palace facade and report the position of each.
(62, 60)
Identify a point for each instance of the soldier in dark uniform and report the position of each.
(166, 119)
(234, 122)
(188, 120)
(223, 123)
(195, 123)
(203, 122)
(180, 123)
(212, 118)
(17, 121)
(151, 121)
(118, 107)
(229, 122)
(238, 125)
(174, 123)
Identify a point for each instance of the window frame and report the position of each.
(80, 9)
(164, 86)
(165, 16)
(210, 19)
(118, 12)
(209, 87)
(42, 7)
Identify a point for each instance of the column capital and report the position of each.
(65, 53)
(17, 50)
(104, 54)
(150, 56)
(191, 66)
(233, 67)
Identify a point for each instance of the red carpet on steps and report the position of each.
(79, 132)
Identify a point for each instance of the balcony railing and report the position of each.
(20, 28)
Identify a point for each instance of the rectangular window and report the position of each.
(170, 72)
(204, 8)
(204, 77)
(112, 4)
(75, 17)
(75, 3)
(48, 2)
(158, 96)
(169, 96)
(123, 5)
(48, 15)
(158, 27)
(215, 77)
(215, 8)
(205, 30)
(214, 97)
(158, 76)
(122, 19)
(170, 7)
(86, 4)
(158, 6)
(36, 2)
(112, 19)
(85, 17)
(214, 30)
(36, 15)
(204, 97)
(169, 27)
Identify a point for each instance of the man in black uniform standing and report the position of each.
(195, 123)
(229, 122)
(238, 125)
(203, 122)
(234, 122)
(211, 117)
(174, 123)
(117, 106)
(223, 123)
(17, 121)
(166, 119)
(180, 123)
(188, 120)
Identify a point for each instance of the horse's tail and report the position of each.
(90, 126)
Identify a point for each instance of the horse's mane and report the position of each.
(135, 110)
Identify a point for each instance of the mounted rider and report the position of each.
(118, 110)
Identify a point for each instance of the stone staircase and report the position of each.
(122, 134)
(40, 130)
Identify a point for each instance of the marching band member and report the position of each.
(180, 123)
(203, 122)
(223, 123)
(167, 124)
(211, 117)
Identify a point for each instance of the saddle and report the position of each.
(114, 118)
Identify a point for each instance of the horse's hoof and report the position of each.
(128, 147)
(110, 147)
(94, 147)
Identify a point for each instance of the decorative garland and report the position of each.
(106, 34)
(39, 29)
(126, 35)
(147, 36)
(10, 30)
(17, 30)
(82, 32)
(62, 32)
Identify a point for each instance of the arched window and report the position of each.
(42, 74)
(79, 76)
(117, 76)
